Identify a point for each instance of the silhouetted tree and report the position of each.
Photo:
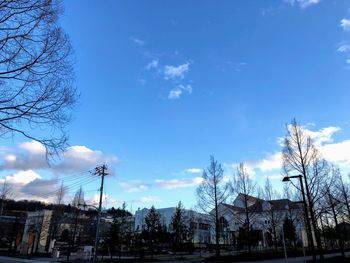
(244, 185)
(119, 233)
(289, 230)
(36, 76)
(273, 216)
(180, 231)
(302, 157)
(152, 229)
(5, 192)
(211, 193)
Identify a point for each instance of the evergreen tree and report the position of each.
(119, 233)
(180, 231)
(152, 230)
(289, 230)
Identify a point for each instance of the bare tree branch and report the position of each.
(36, 77)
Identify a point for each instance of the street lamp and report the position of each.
(308, 225)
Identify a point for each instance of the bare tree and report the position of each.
(57, 211)
(36, 79)
(211, 193)
(5, 192)
(343, 190)
(274, 216)
(78, 199)
(331, 203)
(60, 194)
(295, 213)
(302, 157)
(244, 185)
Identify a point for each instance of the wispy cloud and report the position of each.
(172, 72)
(176, 92)
(345, 23)
(153, 64)
(137, 41)
(194, 170)
(146, 199)
(142, 81)
(347, 61)
(236, 66)
(303, 3)
(134, 186)
(178, 183)
(343, 47)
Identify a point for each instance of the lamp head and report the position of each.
(286, 179)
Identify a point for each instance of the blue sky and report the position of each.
(165, 84)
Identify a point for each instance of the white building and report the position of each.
(199, 223)
(261, 215)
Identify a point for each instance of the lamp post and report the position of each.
(308, 225)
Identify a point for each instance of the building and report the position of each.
(264, 216)
(35, 237)
(198, 223)
(11, 229)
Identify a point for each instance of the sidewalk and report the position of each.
(6, 259)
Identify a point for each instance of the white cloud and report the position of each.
(231, 168)
(176, 92)
(80, 158)
(153, 64)
(33, 147)
(338, 153)
(303, 3)
(10, 158)
(344, 47)
(32, 155)
(323, 135)
(21, 177)
(134, 186)
(30, 185)
(194, 170)
(138, 41)
(347, 61)
(107, 200)
(345, 23)
(28, 155)
(179, 183)
(272, 162)
(171, 72)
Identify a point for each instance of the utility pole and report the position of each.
(100, 171)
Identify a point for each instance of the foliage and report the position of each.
(119, 233)
(180, 231)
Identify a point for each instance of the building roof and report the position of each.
(282, 204)
(234, 208)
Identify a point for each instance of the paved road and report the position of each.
(22, 260)
(193, 260)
